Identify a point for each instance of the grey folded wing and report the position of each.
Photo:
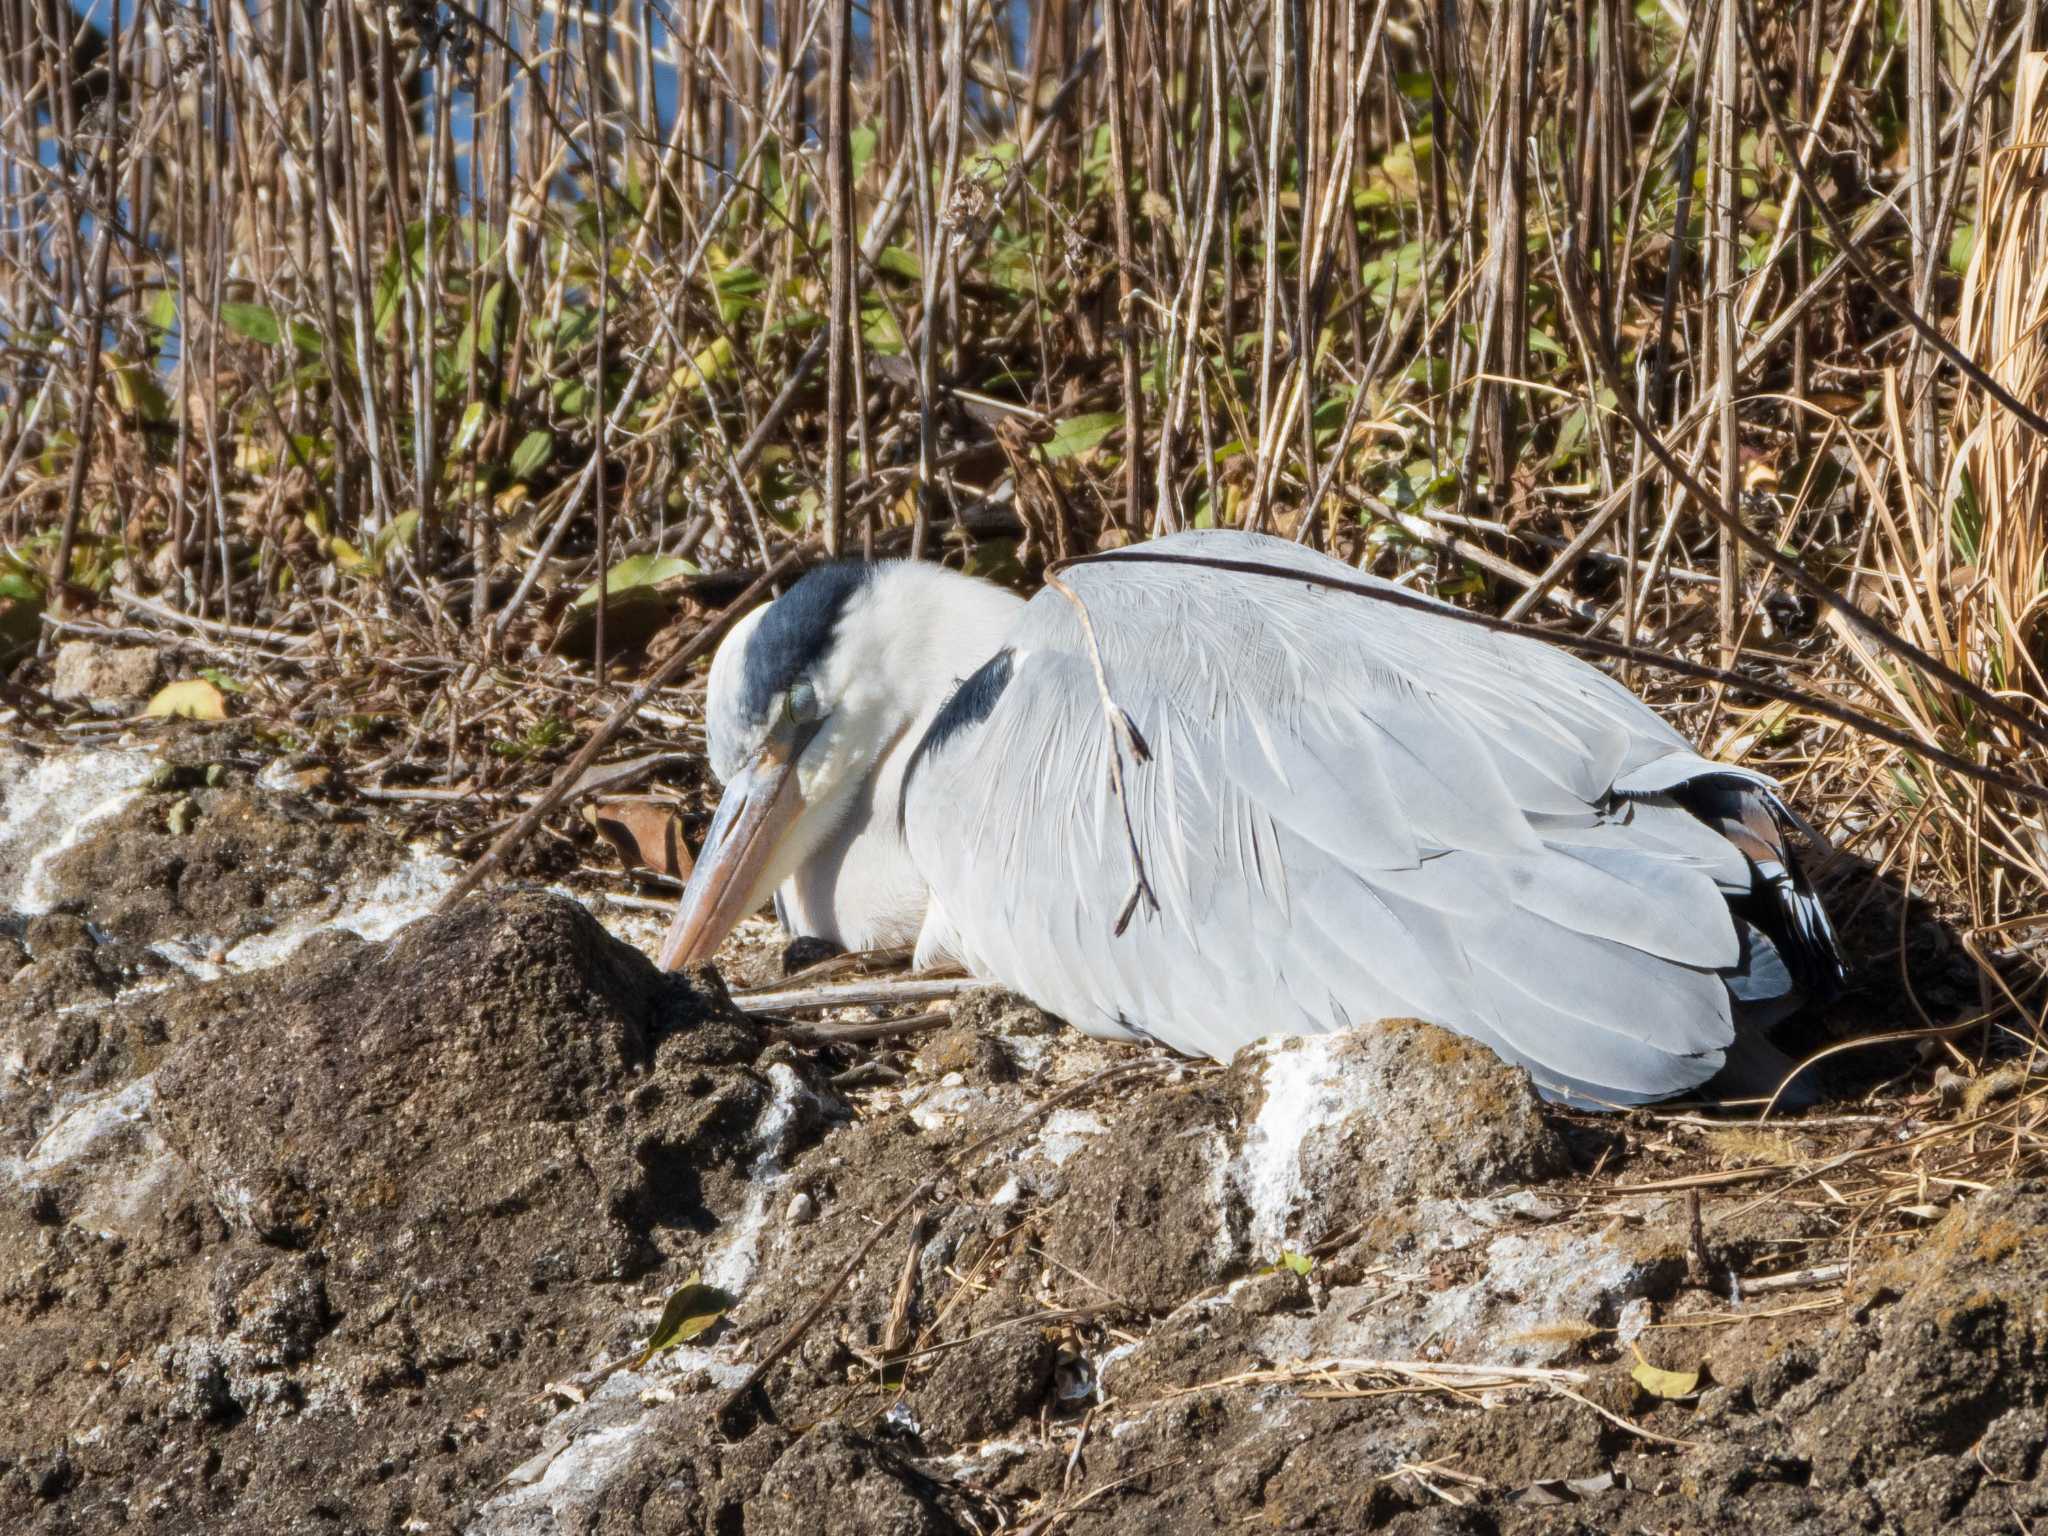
(1349, 811)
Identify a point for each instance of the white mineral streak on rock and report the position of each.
(391, 902)
(1102, 1366)
(1522, 1285)
(110, 1156)
(937, 1106)
(89, 1120)
(1066, 1132)
(47, 804)
(989, 1450)
(587, 1446)
(1028, 1051)
(733, 1265)
(394, 900)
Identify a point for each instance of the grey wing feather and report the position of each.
(1351, 811)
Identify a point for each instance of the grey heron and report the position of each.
(1344, 810)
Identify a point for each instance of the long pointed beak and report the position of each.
(758, 809)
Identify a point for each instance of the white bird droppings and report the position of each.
(1308, 1090)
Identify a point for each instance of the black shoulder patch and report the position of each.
(797, 630)
(971, 703)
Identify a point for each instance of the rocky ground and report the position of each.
(319, 1214)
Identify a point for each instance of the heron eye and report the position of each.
(801, 704)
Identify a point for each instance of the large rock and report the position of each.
(216, 864)
(370, 1242)
(1304, 1138)
(489, 1080)
(109, 678)
(1953, 1340)
(393, 1191)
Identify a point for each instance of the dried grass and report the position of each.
(347, 348)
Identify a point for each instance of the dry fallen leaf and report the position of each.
(648, 834)
(1662, 1383)
(193, 699)
(1568, 1490)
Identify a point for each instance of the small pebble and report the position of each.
(803, 1210)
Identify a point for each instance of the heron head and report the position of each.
(803, 701)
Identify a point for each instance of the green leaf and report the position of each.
(532, 454)
(636, 571)
(222, 681)
(137, 390)
(491, 319)
(693, 1307)
(740, 281)
(252, 322)
(572, 397)
(399, 530)
(1078, 434)
(471, 428)
(879, 327)
(384, 302)
(1300, 1263)
(1961, 246)
(898, 262)
(162, 313)
(705, 367)
(575, 326)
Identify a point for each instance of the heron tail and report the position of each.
(1781, 903)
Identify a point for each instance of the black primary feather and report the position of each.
(1782, 903)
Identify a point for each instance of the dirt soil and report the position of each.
(223, 862)
(372, 1239)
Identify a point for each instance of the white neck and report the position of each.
(911, 638)
(907, 641)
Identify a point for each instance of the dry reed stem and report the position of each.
(339, 271)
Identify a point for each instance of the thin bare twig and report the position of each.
(573, 771)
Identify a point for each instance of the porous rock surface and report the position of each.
(106, 677)
(389, 1192)
(219, 862)
(372, 1240)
